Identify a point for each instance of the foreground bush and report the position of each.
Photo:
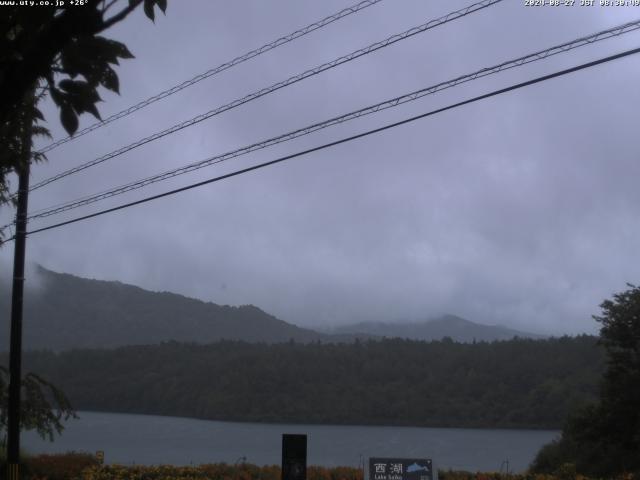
(83, 466)
(65, 466)
(218, 471)
(564, 473)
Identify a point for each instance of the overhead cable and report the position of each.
(532, 57)
(214, 71)
(276, 86)
(343, 140)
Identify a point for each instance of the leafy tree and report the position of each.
(56, 50)
(604, 439)
(43, 408)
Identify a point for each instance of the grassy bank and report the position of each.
(82, 466)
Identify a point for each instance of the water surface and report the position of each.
(148, 439)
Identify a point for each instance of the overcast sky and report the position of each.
(519, 210)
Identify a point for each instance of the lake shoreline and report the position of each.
(329, 424)
(129, 439)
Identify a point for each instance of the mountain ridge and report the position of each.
(64, 311)
(448, 325)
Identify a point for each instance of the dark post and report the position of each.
(294, 457)
(15, 348)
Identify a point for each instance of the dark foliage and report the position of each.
(603, 439)
(65, 466)
(55, 50)
(518, 383)
(43, 408)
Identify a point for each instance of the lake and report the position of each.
(148, 439)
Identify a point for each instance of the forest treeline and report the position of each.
(511, 384)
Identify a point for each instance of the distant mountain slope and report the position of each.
(72, 312)
(456, 328)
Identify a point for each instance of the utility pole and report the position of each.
(15, 349)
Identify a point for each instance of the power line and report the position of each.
(214, 71)
(346, 139)
(539, 55)
(277, 86)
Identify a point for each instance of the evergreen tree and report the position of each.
(604, 439)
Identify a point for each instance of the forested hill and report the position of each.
(518, 383)
(64, 311)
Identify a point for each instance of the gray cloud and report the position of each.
(520, 210)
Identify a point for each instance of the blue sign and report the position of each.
(400, 469)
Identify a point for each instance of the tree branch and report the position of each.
(108, 5)
(118, 17)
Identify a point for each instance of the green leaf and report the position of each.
(56, 96)
(41, 131)
(91, 108)
(81, 96)
(91, 56)
(148, 9)
(69, 119)
(38, 114)
(38, 156)
(80, 90)
(109, 80)
(120, 49)
(74, 59)
(162, 5)
(68, 86)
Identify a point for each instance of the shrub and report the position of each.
(65, 466)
